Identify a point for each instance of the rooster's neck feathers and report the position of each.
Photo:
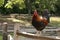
(36, 16)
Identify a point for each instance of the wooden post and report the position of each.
(5, 35)
(16, 28)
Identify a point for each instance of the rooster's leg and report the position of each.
(39, 33)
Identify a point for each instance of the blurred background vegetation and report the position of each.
(28, 6)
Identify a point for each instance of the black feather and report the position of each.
(38, 25)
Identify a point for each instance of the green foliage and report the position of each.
(28, 6)
(1, 2)
(9, 4)
(57, 7)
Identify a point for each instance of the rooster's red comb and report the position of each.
(35, 12)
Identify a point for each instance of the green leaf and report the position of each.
(1, 2)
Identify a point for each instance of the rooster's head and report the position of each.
(35, 13)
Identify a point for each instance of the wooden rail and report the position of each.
(34, 36)
(18, 33)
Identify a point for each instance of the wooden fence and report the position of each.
(17, 33)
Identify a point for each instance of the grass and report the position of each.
(0, 36)
(55, 21)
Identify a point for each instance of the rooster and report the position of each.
(39, 22)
